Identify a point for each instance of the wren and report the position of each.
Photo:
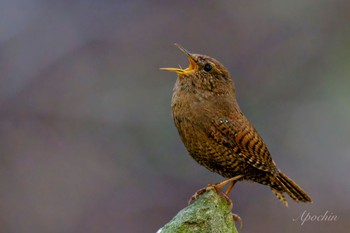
(217, 134)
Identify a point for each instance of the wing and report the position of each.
(245, 142)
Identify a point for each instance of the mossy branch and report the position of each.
(210, 213)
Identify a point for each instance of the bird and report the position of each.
(217, 134)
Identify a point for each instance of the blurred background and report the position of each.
(87, 142)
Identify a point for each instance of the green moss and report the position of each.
(210, 213)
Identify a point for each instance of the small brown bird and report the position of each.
(217, 134)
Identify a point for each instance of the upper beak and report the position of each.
(192, 66)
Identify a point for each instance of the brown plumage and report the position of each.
(215, 131)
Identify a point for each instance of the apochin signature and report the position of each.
(308, 217)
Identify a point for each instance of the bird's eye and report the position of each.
(208, 67)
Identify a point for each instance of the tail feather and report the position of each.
(280, 196)
(292, 189)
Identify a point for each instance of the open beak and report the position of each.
(192, 66)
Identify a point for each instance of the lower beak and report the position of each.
(192, 66)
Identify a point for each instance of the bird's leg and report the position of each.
(228, 190)
(232, 181)
(225, 182)
(218, 189)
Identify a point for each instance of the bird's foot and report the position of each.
(218, 187)
(218, 190)
(197, 194)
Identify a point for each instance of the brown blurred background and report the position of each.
(87, 143)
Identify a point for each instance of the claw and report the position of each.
(236, 218)
(197, 194)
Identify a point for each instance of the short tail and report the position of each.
(291, 188)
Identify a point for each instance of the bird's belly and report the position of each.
(206, 151)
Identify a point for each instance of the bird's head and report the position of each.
(203, 73)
